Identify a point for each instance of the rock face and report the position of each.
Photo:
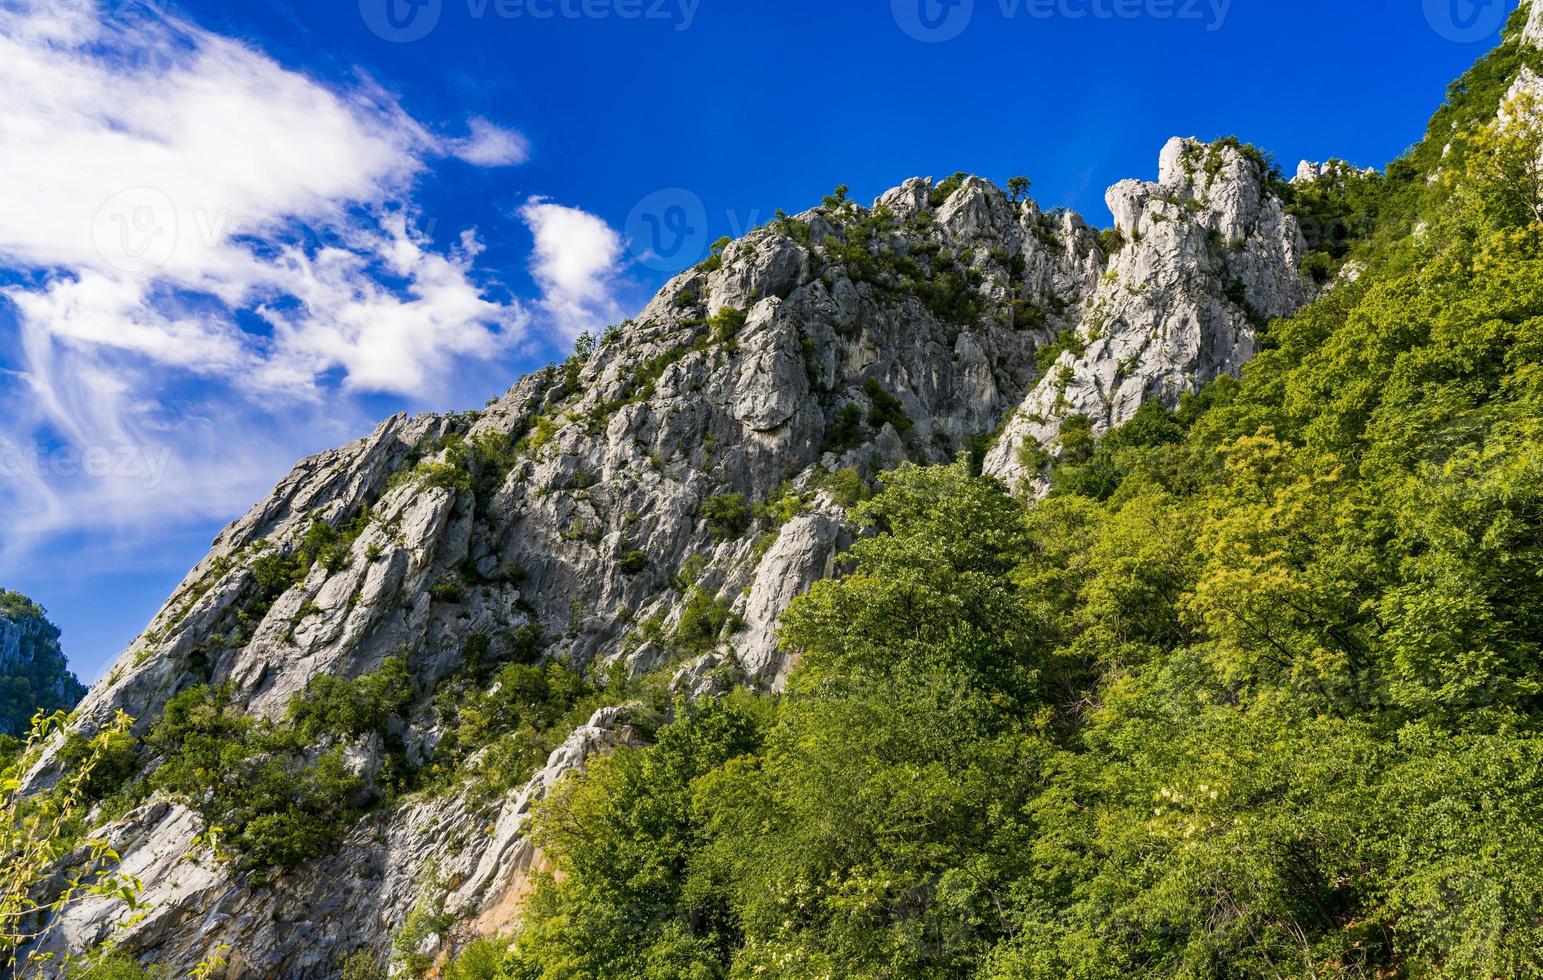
(1534, 30)
(33, 672)
(1209, 256)
(705, 450)
(442, 852)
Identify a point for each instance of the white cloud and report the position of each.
(490, 145)
(218, 258)
(150, 156)
(228, 139)
(577, 261)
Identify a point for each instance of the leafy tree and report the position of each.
(632, 899)
(838, 198)
(1503, 170)
(37, 834)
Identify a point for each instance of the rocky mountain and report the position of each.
(698, 466)
(639, 516)
(33, 672)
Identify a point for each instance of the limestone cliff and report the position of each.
(710, 448)
(1208, 255)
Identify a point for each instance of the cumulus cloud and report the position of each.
(577, 261)
(214, 256)
(490, 145)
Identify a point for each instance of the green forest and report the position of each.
(1257, 692)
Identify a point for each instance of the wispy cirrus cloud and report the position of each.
(211, 260)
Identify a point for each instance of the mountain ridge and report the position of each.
(744, 385)
(648, 510)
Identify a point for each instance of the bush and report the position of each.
(943, 191)
(702, 623)
(1318, 266)
(1067, 340)
(448, 589)
(1077, 439)
(846, 430)
(784, 505)
(110, 966)
(727, 514)
(482, 960)
(332, 706)
(519, 720)
(714, 262)
(632, 562)
(886, 409)
(847, 487)
(362, 964)
(114, 755)
(727, 323)
(1032, 455)
(277, 800)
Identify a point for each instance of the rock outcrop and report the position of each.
(1208, 255)
(443, 852)
(33, 671)
(708, 450)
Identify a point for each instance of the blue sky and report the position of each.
(403, 209)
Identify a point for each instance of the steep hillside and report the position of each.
(641, 516)
(345, 718)
(1256, 690)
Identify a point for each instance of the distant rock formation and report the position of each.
(33, 672)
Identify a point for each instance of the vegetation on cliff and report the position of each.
(34, 675)
(1258, 691)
